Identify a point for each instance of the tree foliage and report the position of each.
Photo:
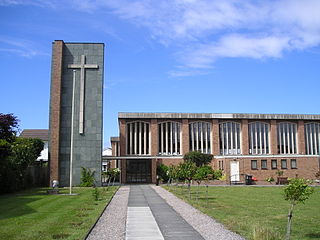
(8, 127)
(200, 159)
(297, 191)
(162, 172)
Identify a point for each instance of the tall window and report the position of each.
(138, 138)
(229, 138)
(258, 138)
(287, 138)
(169, 138)
(312, 138)
(200, 137)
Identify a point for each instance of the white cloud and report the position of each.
(203, 31)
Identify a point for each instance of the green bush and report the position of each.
(200, 159)
(87, 177)
(162, 172)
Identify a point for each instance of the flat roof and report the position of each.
(43, 134)
(220, 115)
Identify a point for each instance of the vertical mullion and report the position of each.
(315, 139)
(311, 139)
(176, 138)
(256, 137)
(318, 133)
(192, 136)
(260, 137)
(135, 138)
(222, 137)
(144, 138)
(140, 124)
(307, 137)
(284, 139)
(201, 138)
(231, 137)
(280, 137)
(292, 140)
(171, 133)
(206, 136)
(131, 136)
(227, 134)
(161, 124)
(197, 135)
(265, 138)
(167, 138)
(251, 138)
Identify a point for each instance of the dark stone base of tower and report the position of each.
(84, 63)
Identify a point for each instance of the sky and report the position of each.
(232, 56)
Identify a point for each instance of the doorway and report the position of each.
(234, 171)
(139, 171)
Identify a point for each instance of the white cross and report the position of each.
(82, 67)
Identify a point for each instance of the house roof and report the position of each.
(136, 115)
(43, 134)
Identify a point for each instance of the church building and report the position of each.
(241, 144)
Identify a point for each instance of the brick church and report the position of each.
(241, 144)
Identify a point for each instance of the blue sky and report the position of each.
(167, 56)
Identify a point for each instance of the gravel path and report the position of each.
(112, 224)
(205, 225)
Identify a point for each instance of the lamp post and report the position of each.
(72, 120)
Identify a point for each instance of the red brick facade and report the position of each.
(306, 165)
(55, 104)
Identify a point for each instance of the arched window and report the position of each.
(229, 134)
(287, 138)
(258, 138)
(312, 138)
(169, 138)
(138, 135)
(200, 137)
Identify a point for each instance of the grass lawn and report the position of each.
(256, 212)
(33, 214)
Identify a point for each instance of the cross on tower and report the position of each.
(82, 67)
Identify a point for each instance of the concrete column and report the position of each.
(122, 134)
(185, 136)
(273, 137)
(301, 140)
(215, 143)
(244, 137)
(55, 110)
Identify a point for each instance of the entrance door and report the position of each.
(234, 171)
(139, 171)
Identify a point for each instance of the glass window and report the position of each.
(200, 137)
(137, 138)
(284, 163)
(258, 138)
(169, 138)
(312, 138)
(254, 164)
(274, 164)
(293, 163)
(264, 164)
(229, 137)
(287, 134)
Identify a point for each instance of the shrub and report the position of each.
(162, 172)
(200, 159)
(87, 177)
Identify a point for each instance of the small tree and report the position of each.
(201, 174)
(297, 191)
(162, 172)
(200, 159)
(187, 171)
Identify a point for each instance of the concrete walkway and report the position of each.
(150, 217)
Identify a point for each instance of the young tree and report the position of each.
(297, 191)
(200, 159)
(201, 174)
(187, 171)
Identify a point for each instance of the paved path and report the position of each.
(153, 213)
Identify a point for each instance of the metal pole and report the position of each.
(72, 118)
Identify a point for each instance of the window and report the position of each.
(138, 138)
(293, 163)
(200, 137)
(312, 138)
(229, 138)
(254, 164)
(221, 165)
(264, 164)
(258, 138)
(284, 163)
(287, 138)
(274, 164)
(169, 138)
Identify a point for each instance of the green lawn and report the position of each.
(256, 212)
(33, 214)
